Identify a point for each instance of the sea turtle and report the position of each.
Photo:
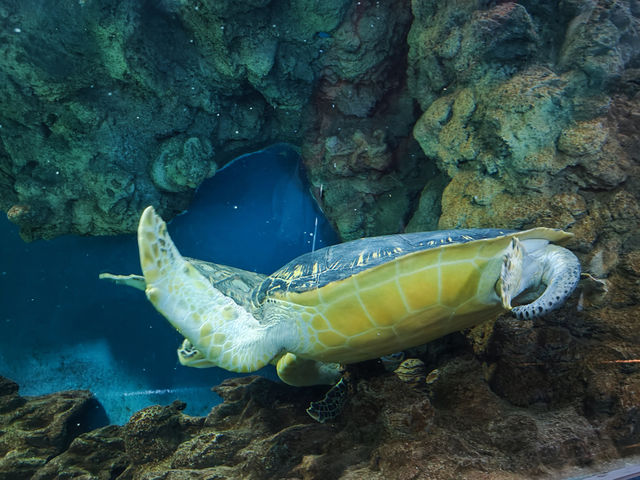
(353, 301)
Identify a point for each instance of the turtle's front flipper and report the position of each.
(301, 372)
(332, 404)
(189, 356)
(219, 329)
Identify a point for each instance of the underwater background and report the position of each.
(62, 328)
(264, 129)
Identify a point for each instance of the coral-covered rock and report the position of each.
(130, 105)
(153, 432)
(529, 137)
(365, 185)
(365, 169)
(142, 104)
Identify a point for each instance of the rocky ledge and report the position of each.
(521, 400)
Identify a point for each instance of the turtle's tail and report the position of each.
(222, 331)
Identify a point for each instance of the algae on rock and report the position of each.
(505, 127)
(123, 84)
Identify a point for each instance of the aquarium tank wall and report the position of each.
(402, 239)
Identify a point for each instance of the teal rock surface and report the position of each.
(143, 103)
(517, 108)
(131, 104)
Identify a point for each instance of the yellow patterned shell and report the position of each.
(375, 296)
(331, 264)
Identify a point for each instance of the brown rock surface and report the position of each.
(365, 169)
(35, 429)
(536, 401)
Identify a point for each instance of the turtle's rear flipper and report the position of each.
(135, 281)
(331, 405)
(302, 372)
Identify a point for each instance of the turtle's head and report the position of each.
(190, 356)
(554, 267)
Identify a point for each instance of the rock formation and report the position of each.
(37, 429)
(413, 116)
(133, 104)
(450, 426)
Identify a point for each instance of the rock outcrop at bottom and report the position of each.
(34, 430)
(449, 425)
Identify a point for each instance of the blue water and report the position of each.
(62, 328)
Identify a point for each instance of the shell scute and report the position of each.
(459, 282)
(329, 339)
(384, 303)
(420, 287)
(347, 308)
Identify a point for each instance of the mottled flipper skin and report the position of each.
(221, 330)
(134, 281)
(560, 272)
(511, 273)
(331, 405)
